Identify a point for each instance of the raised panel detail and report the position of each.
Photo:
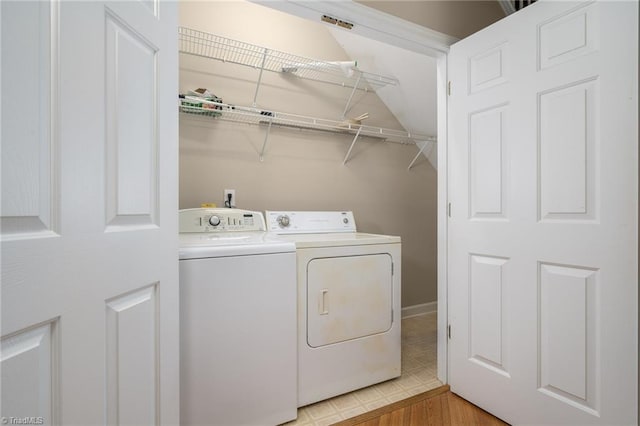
(487, 163)
(132, 358)
(487, 327)
(566, 37)
(29, 374)
(488, 69)
(132, 140)
(29, 69)
(567, 335)
(567, 152)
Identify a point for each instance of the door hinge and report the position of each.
(449, 88)
(449, 331)
(449, 209)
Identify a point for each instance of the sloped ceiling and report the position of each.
(413, 100)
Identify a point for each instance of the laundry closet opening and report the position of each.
(305, 167)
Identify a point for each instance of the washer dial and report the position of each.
(283, 221)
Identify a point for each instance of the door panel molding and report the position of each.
(568, 151)
(568, 306)
(567, 36)
(488, 167)
(132, 357)
(488, 338)
(30, 205)
(29, 357)
(132, 135)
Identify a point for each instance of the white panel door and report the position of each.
(543, 228)
(89, 206)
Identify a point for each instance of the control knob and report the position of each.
(214, 220)
(283, 221)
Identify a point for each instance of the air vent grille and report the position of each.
(335, 21)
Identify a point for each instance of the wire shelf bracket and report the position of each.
(266, 139)
(355, 138)
(421, 150)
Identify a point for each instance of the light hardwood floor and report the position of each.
(435, 407)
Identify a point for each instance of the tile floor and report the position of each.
(419, 349)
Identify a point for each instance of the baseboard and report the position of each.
(421, 309)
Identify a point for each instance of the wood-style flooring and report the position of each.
(437, 407)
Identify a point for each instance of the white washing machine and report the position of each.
(237, 320)
(348, 302)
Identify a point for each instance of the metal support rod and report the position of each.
(424, 145)
(346, 157)
(264, 60)
(266, 138)
(355, 87)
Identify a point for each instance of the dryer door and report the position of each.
(348, 297)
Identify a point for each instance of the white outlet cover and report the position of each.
(234, 202)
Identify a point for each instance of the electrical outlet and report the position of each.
(231, 192)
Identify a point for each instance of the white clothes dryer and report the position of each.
(348, 302)
(237, 320)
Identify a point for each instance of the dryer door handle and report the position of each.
(323, 302)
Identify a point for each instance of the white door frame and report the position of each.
(398, 32)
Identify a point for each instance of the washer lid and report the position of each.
(203, 245)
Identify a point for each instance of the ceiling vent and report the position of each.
(334, 21)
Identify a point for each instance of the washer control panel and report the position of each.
(220, 220)
(294, 222)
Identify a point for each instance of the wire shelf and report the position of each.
(198, 43)
(255, 116)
